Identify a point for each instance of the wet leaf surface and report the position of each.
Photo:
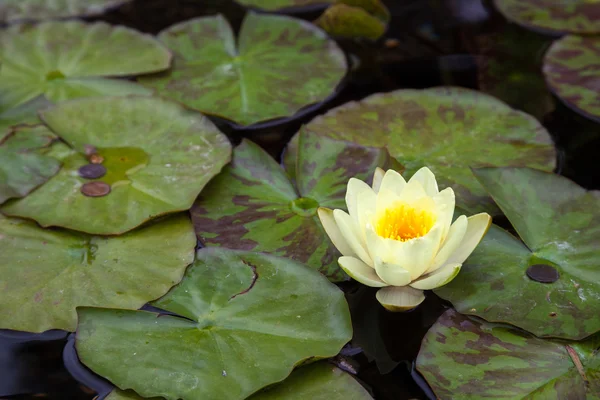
(66, 60)
(465, 359)
(15, 10)
(277, 66)
(25, 113)
(559, 224)
(45, 274)
(447, 129)
(23, 162)
(572, 70)
(246, 320)
(158, 157)
(254, 205)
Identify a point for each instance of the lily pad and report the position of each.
(447, 129)
(65, 60)
(572, 70)
(23, 164)
(253, 204)
(342, 20)
(45, 273)
(24, 114)
(277, 5)
(577, 16)
(158, 155)
(465, 359)
(246, 320)
(559, 224)
(15, 10)
(277, 66)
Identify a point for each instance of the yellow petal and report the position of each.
(438, 278)
(427, 180)
(350, 232)
(393, 182)
(400, 298)
(334, 233)
(453, 240)
(444, 202)
(392, 274)
(355, 188)
(477, 227)
(377, 178)
(360, 271)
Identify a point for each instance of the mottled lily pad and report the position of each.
(276, 67)
(23, 162)
(24, 114)
(158, 155)
(65, 60)
(465, 359)
(577, 16)
(276, 5)
(447, 129)
(45, 274)
(572, 70)
(246, 319)
(15, 10)
(559, 224)
(253, 204)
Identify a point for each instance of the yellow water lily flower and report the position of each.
(399, 235)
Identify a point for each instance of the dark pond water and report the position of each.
(437, 42)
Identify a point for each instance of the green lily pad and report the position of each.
(15, 10)
(342, 20)
(253, 204)
(464, 359)
(571, 68)
(447, 129)
(65, 60)
(559, 223)
(23, 164)
(277, 66)
(246, 320)
(46, 273)
(24, 114)
(158, 155)
(577, 16)
(275, 5)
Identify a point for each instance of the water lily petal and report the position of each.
(360, 271)
(355, 188)
(412, 193)
(477, 227)
(438, 278)
(449, 246)
(377, 179)
(445, 203)
(392, 274)
(365, 206)
(350, 232)
(333, 231)
(393, 182)
(399, 298)
(427, 180)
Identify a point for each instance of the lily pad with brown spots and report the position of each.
(16, 10)
(447, 129)
(66, 60)
(462, 358)
(284, 5)
(243, 321)
(552, 16)
(253, 204)
(276, 67)
(158, 156)
(572, 70)
(559, 226)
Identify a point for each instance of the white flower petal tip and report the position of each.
(361, 272)
(438, 278)
(393, 182)
(333, 231)
(427, 180)
(477, 227)
(392, 274)
(377, 178)
(400, 298)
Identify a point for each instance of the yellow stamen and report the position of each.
(403, 222)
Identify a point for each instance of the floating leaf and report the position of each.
(559, 223)
(571, 67)
(253, 205)
(280, 65)
(275, 5)
(158, 155)
(23, 164)
(45, 274)
(447, 129)
(64, 60)
(577, 16)
(465, 359)
(25, 113)
(15, 10)
(345, 21)
(246, 320)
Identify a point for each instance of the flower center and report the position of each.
(403, 222)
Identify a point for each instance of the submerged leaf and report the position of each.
(342, 20)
